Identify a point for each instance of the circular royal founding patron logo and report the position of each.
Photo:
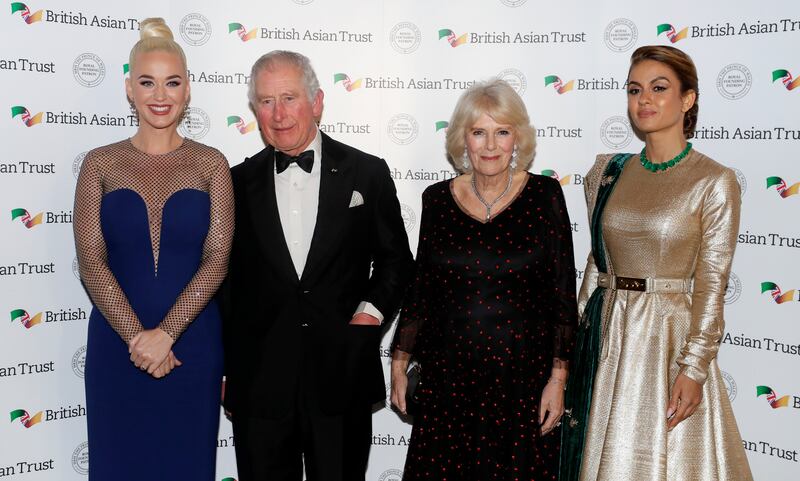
(409, 217)
(616, 132)
(742, 180)
(195, 29)
(79, 361)
(734, 81)
(195, 124)
(513, 3)
(77, 163)
(734, 289)
(621, 35)
(730, 385)
(403, 129)
(405, 37)
(515, 78)
(80, 458)
(89, 70)
(391, 475)
(76, 268)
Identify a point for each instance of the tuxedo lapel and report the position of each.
(263, 207)
(335, 191)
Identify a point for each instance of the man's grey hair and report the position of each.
(270, 60)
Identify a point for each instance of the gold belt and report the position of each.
(650, 284)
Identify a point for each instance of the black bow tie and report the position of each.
(304, 160)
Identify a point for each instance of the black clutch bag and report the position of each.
(414, 375)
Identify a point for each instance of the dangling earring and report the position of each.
(134, 112)
(465, 160)
(514, 155)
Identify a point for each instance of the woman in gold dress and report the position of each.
(646, 399)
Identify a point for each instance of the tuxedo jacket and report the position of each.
(359, 252)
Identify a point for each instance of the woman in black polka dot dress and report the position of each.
(491, 311)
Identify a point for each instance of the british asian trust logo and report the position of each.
(442, 125)
(28, 220)
(777, 295)
(452, 38)
(782, 188)
(25, 418)
(242, 126)
(347, 83)
(24, 114)
(772, 398)
(552, 173)
(22, 316)
(25, 12)
(559, 84)
(672, 34)
(786, 78)
(242, 32)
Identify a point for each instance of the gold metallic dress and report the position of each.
(677, 224)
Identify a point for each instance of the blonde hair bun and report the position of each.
(154, 27)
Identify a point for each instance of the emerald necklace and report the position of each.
(662, 166)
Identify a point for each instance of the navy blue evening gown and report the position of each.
(141, 427)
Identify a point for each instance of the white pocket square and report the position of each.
(357, 199)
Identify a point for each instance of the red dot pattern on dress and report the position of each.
(491, 310)
(155, 178)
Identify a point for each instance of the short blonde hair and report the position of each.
(155, 35)
(497, 99)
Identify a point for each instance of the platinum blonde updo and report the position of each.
(155, 35)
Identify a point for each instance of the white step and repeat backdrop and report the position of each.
(391, 72)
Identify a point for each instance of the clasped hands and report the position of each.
(151, 351)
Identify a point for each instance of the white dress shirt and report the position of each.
(297, 194)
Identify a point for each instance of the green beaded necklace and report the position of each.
(662, 166)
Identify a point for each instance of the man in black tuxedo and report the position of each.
(320, 258)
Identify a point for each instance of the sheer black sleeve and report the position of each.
(564, 308)
(416, 307)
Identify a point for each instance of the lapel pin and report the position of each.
(334, 170)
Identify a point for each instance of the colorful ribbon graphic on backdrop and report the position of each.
(243, 127)
(671, 34)
(22, 316)
(772, 398)
(780, 184)
(786, 78)
(452, 39)
(26, 218)
(558, 84)
(349, 85)
(243, 33)
(28, 119)
(552, 173)
(26, 12)
(24, 418)
(775, 291)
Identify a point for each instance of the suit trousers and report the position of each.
(332, 447)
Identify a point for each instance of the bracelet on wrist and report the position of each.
(555, 380)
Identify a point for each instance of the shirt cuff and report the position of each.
(368, 308)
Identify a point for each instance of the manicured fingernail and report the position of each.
(670, 413)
